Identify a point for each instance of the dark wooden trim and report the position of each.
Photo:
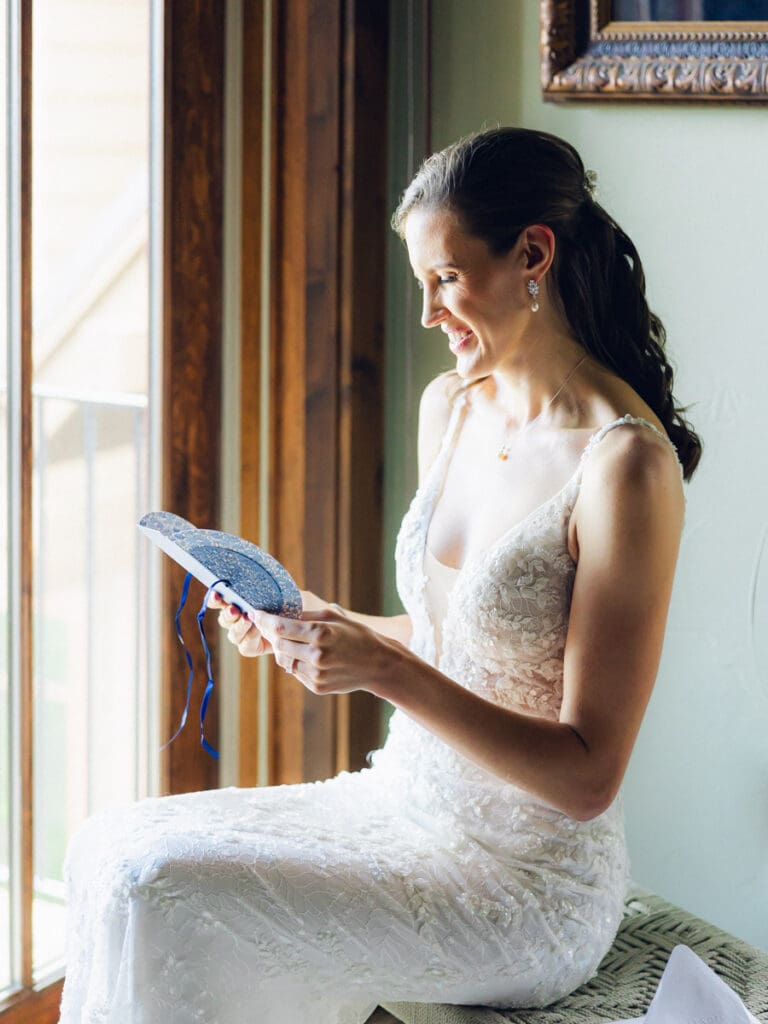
(362, 330)
(33, 1006)
(304, 363)
(26, 604)
(193, 207)
(250, 348)
(326, 373)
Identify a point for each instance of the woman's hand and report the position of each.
(328, 652)
(240, 630)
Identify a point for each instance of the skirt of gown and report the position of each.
(423, 878)
(315, 902)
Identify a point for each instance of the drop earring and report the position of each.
(533, 291)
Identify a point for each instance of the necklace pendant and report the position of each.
(503, 452)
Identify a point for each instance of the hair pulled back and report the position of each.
(501, 181)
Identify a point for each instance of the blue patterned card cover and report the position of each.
(251, 579)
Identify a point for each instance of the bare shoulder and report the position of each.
(634, 454)
(434, 413)
(631, 475)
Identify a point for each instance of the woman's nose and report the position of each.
(431, 312)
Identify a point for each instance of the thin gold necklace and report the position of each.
(503, 452)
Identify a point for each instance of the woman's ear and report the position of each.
(538, 249)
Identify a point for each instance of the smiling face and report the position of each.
(479, 300)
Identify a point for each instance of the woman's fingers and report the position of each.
(240, 630)
(228, 613)
(253, 644)
(326, 650)
(236, 630)
(248, 640)
(230, 616)
(298, 657)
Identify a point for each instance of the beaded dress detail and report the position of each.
(421, 878)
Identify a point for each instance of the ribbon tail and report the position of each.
(187, 655)
(209, 674)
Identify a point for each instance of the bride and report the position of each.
(481, 857)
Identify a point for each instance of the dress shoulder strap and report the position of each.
(435, 472)
(454, 421)
(597, 437)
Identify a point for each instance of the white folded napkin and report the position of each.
(691, 993)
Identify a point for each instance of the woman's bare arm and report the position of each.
(249, 642)
(394, 627)
(630, 513)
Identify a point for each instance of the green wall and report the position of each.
(688, 183)
(413, 355)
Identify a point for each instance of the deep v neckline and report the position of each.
(442, 463)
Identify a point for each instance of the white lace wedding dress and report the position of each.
(422, 878)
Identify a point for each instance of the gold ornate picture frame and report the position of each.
(587, 56)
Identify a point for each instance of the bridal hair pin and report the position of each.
(590, 183)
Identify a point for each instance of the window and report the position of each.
(76, 698)
(79, 678)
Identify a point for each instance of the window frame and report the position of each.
(193, 70)
(330, 426)
(328, 82)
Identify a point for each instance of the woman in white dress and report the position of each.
(481, 857)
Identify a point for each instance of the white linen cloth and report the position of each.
(691, 993)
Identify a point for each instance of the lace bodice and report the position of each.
(507, 615)
(503, 637)
(438, 584)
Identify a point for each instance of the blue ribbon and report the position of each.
(209, 675)
(187, 655)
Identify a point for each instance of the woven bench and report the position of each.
(628, 976)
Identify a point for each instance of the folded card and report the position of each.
(245, 575)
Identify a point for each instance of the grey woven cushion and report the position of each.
(629, 975)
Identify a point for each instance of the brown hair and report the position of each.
(502, 180)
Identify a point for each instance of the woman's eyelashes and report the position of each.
(447, 278)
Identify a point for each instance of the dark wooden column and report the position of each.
(364, 228)
(193, 162)
(254, 139)
(327, 305)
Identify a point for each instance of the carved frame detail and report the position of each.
(586, 56)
